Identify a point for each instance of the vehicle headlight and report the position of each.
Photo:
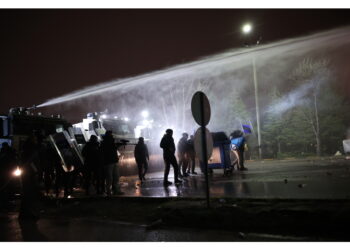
(17, 172)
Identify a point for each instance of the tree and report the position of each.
(237, 113)
(313, 74)
(273, 125)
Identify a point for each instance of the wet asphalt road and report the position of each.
(322, 179)
(100, 230)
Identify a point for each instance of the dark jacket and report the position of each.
(168, 145)
(91, 153)
(109, 151)
(141, 152)
(182, 146)
(190, 147)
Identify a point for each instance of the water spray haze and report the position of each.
(215, 64)
(167, 93)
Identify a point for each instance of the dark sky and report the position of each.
(48, 53)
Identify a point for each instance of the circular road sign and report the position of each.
(199, 101)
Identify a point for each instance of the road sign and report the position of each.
(198, 143)
(203, 141)
(200, 108)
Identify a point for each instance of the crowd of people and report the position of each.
(186, 155)
(42, 165)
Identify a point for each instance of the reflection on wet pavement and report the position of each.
(272, 180)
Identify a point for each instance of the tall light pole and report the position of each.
(246, 30)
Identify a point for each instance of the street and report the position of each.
(288, 179)
(81, 229)
(94, 218)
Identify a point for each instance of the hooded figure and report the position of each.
(110, 160)
(168, 146)
(92, 163)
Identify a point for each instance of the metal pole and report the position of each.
(257, 107)
(204, 149)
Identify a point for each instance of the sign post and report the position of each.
(201, 113)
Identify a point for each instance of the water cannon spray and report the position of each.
(34, 107)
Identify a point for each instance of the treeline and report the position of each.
(308, 118)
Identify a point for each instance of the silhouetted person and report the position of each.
(46, 172)
(42, 158)
(141, 158)
(237, 146)
(182, 154)
(30, 191)
(191, 155)
(8, 162)
(55, 165)
(110, 160)
(168, 146)
(92, 161)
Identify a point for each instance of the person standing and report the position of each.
(181, 154)
(142, 158)
(110, 160)
(92, 162)
(191, 155)
(30, 190)
(168, 146)
(8, 160)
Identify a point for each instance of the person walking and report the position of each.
(142, 158)
(110, 160)
(168, 146)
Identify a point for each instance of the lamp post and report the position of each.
(246, 30)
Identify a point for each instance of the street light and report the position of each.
(144, 114)
(246, 29)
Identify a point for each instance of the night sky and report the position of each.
(48, 53)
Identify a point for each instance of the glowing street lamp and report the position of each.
(247, 28)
